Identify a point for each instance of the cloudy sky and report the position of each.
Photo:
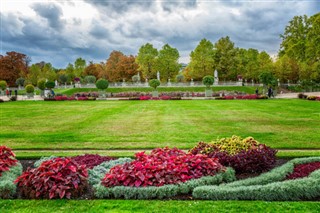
(59, 31)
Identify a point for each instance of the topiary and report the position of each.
(50, 84)
(3, 85)
(41, 84)
(102, 84)
(29, 88)
(55, 178)
(154, 83)
(208, 80)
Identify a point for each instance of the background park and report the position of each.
(214, 114)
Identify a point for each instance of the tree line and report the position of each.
(298, 60)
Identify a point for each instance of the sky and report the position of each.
(60, 31)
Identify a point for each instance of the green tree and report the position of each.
(313, 39)
(267, 78)
(154, 83)
(102, 84)
(208, 80)
(70, 73)
(3, 85)
(50, 84)
(20, 82)
(34, 74)
(146, 60)
(167, 62)
(79, 66)
(41, 84)
(201, 60)
(225, 58)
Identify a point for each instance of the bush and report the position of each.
(50, 84)
(154, 83)
(302, 96)
(20, 81)
(102, 84)
(29, 88)
(90, 79)
(244, 155)
(161, 167)
(312, 98)
(90, 160)
(7, 159)
(1, 101)
(208, 80)
(13, 98)
(55, 178)
(3, 85)
(268, 186)
(41, 84)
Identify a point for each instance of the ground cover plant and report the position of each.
(243, 154)
(273, 185)
(149, 124)
(10, 169)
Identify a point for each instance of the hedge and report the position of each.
(7, 187)
(161, 192)
(269, 186)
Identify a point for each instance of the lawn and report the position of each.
(150, 124)
(154, 206)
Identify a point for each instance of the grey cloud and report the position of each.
(171, 6)
(51, 12)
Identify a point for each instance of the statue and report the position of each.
(158, 76)
(216, 78)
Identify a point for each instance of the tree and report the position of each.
(113, 70)
(267, 78)
(201, 60)
(20, 82)
(146, 60)
(90, 79)
(128, 67)
(3, 85)
(50, 84)
(41, 84)
(79, 67)
(167, 62)
(225, 58)
(13, 65)
(313, 39)
(70, 73)
(34, 74)
(102, 84)
(92, 69)
(208, 80)
(154, 83)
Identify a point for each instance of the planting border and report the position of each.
(161, 192)
(7, 187)
(268, 186)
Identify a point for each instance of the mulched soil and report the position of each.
(88, 195)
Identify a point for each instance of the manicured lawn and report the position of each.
(249, 90)
(150, 124)
(154, 206)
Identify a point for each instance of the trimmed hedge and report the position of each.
(7, 187)
(268, 186)
(165, 191)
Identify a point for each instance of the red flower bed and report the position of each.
(161, 167)
(7, 159)
(144, 98)
(303, 170)
(55, 178)
(90, 160)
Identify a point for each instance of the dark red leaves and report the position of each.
(303, 170)
(162, 166)
(7, 159)
(55, 178)
(90, 160)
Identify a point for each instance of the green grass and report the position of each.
(153, 206)
(69, 92)
(149, 124)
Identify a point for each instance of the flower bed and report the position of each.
(10, 169)
(244, 155)
(268, 186)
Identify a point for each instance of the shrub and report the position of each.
(20, 81)
(154, 83)
(1, 101)
(55, 178)
(102, 84)
(244, 155)
(161, 167)
(302, 96)
(90, 160)
(50, 84)
(41, 84)
(90, 79)
(311, 98)
(208, 80)
(7, 159)
(303, 170)
(29, 88)
(3, 85)
(13, 98)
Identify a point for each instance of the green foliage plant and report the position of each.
(7, 187)
(42, 159)
(268, 186)
(20, 81)
(208, 80)
(154, 83)
(3, 85)
(102, 84)
(41, 84)
(90, 79)
(50, 84)
(165, 191)
(29, 88)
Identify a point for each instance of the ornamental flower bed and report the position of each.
(10, 169)
(55, 178)
(303, 170)
(243, 155)
(91, 160)
(161, 167)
